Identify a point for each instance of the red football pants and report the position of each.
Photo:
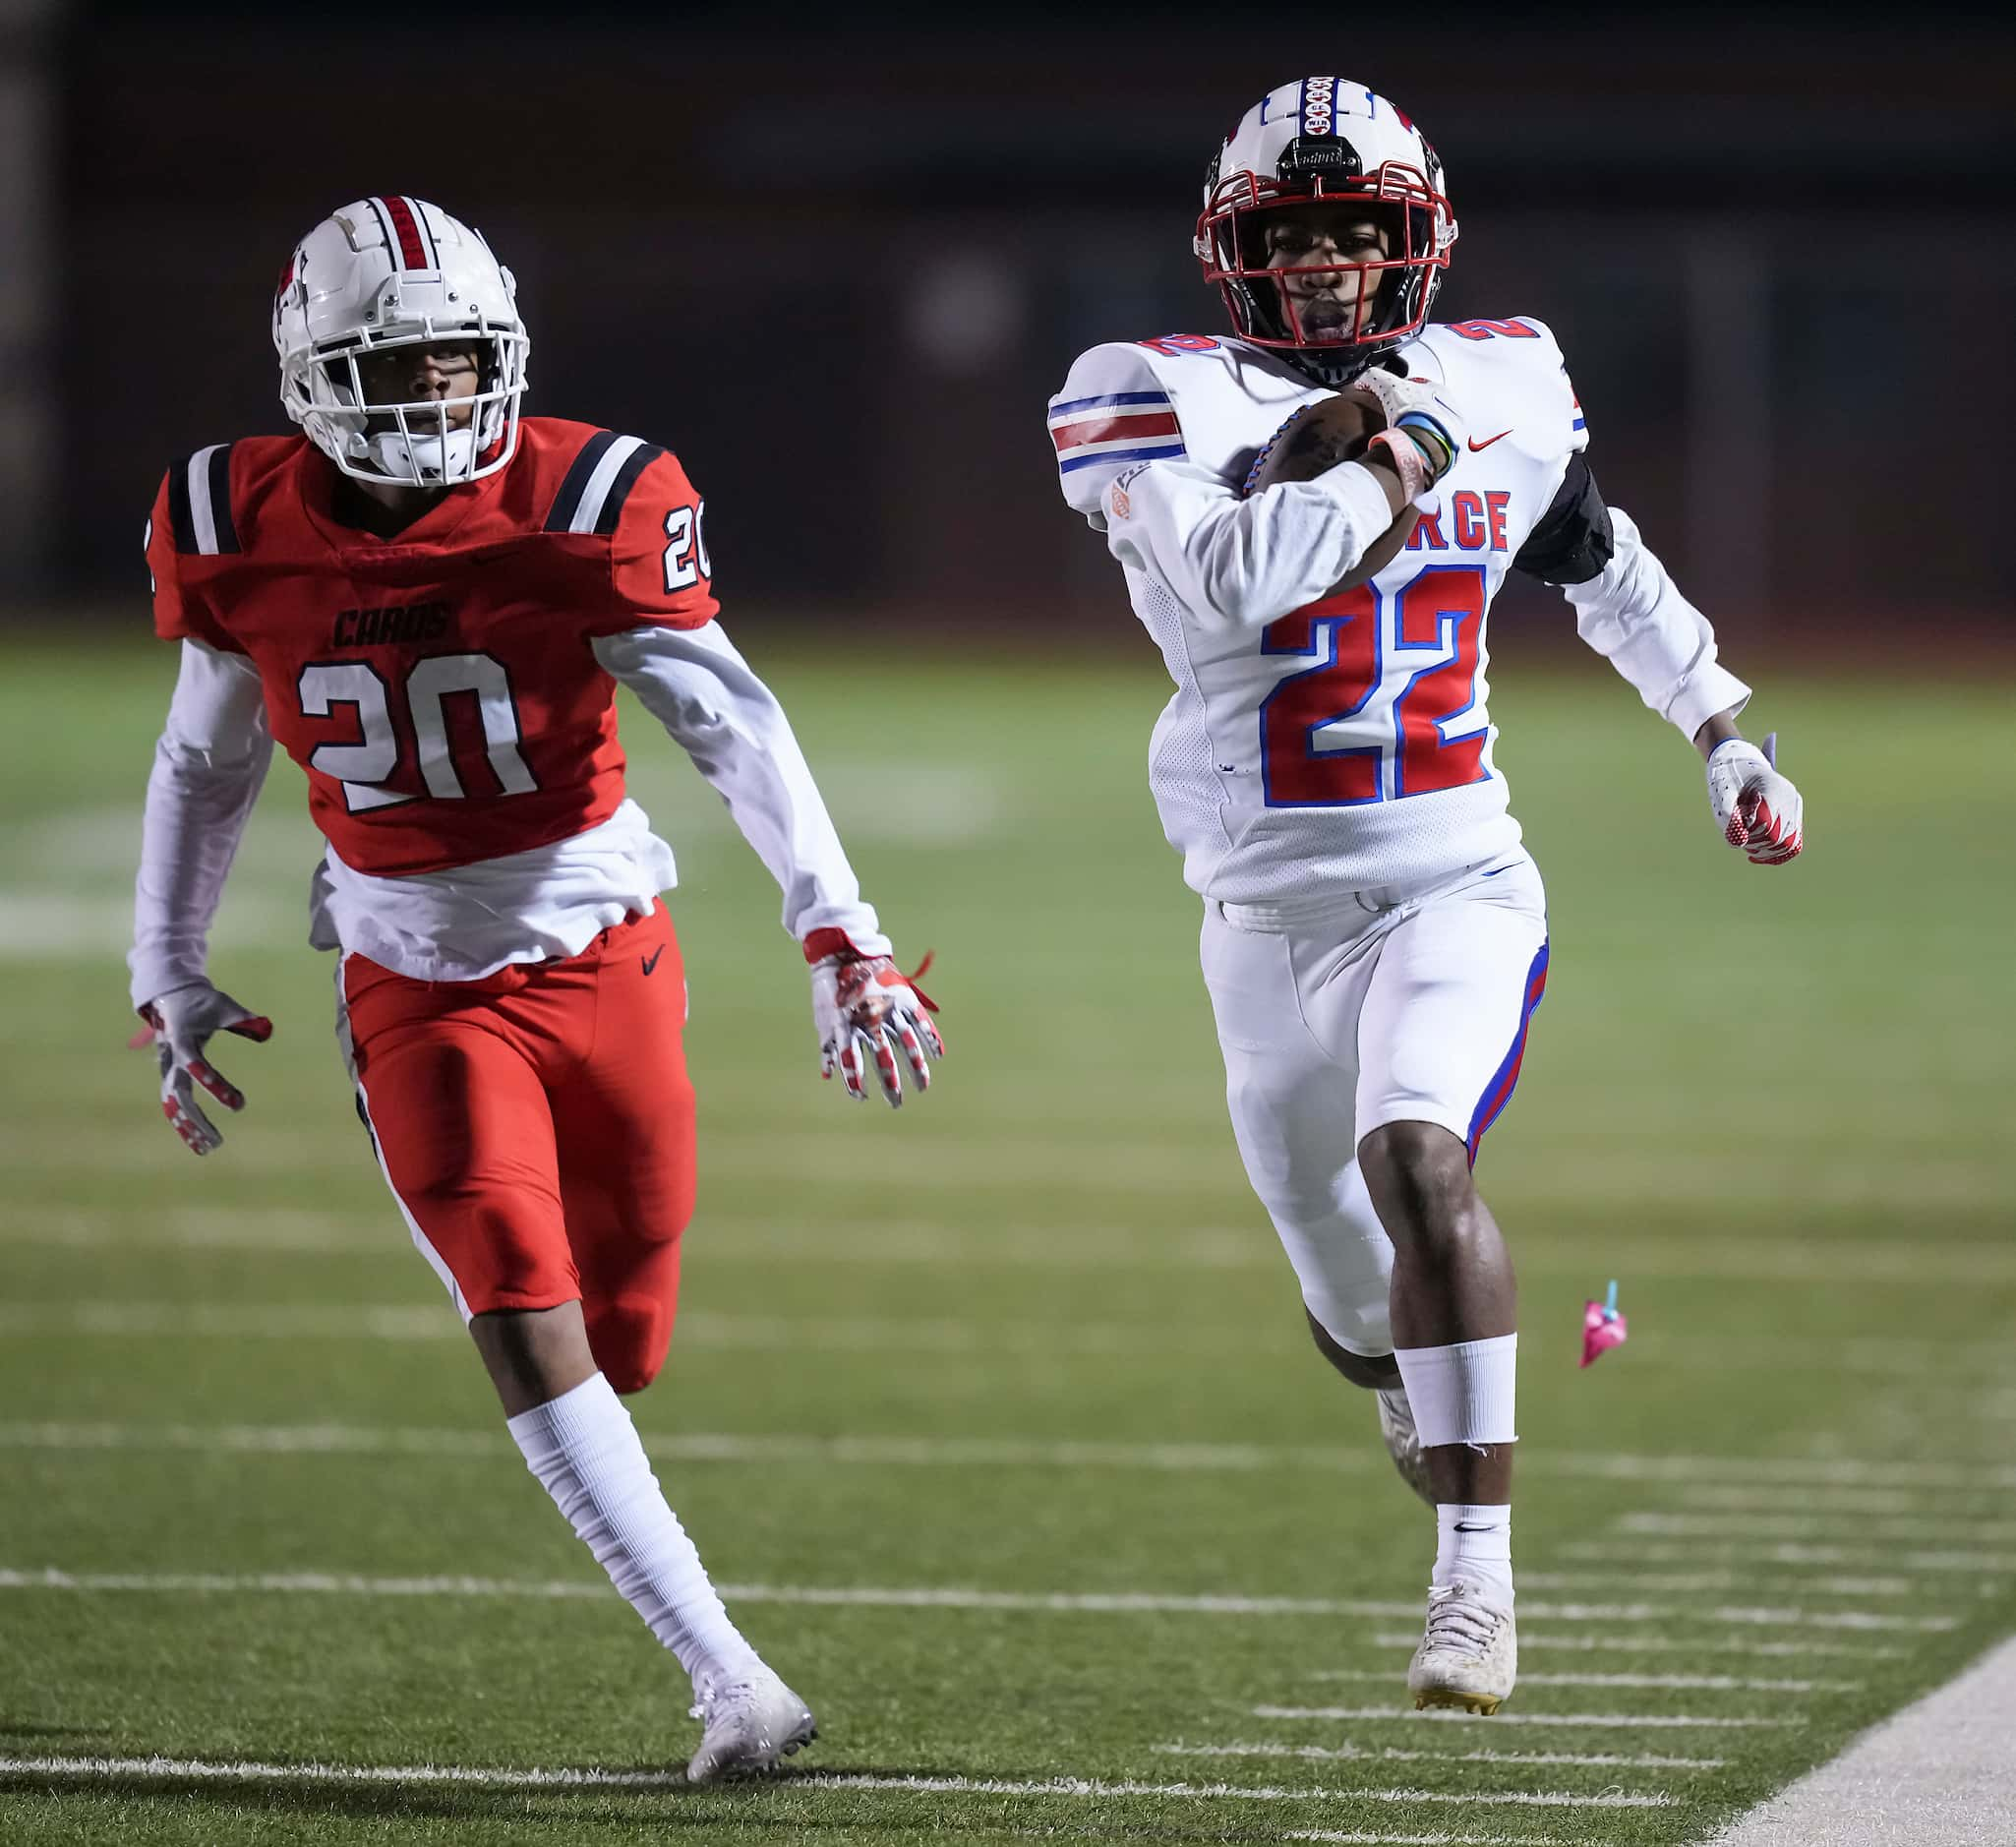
(537, 1130)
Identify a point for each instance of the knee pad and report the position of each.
(630, 1338)
(630, 1325)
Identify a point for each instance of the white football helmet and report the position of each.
(1326, 137)
(392, 271)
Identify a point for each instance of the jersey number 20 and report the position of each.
(364, 766)
(1440, 613)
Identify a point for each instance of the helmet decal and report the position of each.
(402, 224)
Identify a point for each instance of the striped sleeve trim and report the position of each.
(200, 503)
(1121, 426)
(591, 498)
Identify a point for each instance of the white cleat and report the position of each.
(752, 1722)
(1402, 1440)
(1470, 1656)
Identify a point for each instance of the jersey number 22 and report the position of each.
(1439, 614)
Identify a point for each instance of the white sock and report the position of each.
(1475, 1543)
(586, 1454)
(1462, 1394)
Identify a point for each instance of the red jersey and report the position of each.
(439, 688)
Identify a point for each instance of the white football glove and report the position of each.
(859, 1004)
(184, 1019)
(1394, 395)
(1424, 412)
(1416, 406)
(1755, 807)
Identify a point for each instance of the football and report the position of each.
(1317, 438)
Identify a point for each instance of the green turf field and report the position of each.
(999, 1412)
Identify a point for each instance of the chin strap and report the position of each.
(1331, 374)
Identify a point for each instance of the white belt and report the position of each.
(1354, 907)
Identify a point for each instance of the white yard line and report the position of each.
(1936, 1774)
(197, 1770)
(1151, 1167)
(1714, 1497)
(1703, 1683)
(1804, 1525)
(258, 1439)
(1530, 1640)
(1789, 1553)
(1791, 1472)
(370, 1231)
(1681, 1582)
(191, 1769)
(280, 1229)
(1143, 1166)
(1962, 1364)
(1354, 1839)
(432, 1320)
(778, 1334)
(1393, 1753)
(1773, 1616)
(1606, 1721)
(50, 925)
(692, 1447)
(787, 1334)
(1237, 1792)
(710, 1331)
(297, 1231)
(938, 1452)
(912, 1597)
(1240, 1245)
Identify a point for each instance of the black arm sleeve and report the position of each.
(1573, 540)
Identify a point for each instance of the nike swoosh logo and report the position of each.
(1460, 1527)
(1476, 446)
(651, 961)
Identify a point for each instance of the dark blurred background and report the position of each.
(839, 270)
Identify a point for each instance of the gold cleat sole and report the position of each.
(1448, 1698)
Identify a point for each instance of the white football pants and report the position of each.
(1403, 1005)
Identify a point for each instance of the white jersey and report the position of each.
(1338, 742)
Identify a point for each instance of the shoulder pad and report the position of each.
(1517, 362)
(1113, 411)
(1520, 337)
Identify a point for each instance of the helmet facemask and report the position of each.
(381, 275)
(1393, 291)
(425, 443)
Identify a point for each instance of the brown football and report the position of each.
(1316, 438)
